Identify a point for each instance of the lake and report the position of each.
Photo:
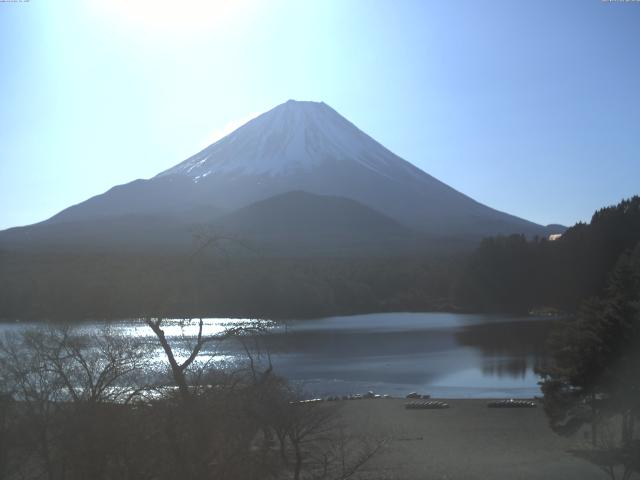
(443, 354)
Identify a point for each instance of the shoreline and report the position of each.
(290, 318)
(467, 441)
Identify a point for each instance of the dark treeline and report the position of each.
(516, 274)
(504, 274)
(593, 379)
(90, 285)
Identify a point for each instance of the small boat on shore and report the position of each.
(418, 395)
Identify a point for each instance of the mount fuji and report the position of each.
(337, 173)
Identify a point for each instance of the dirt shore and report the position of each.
(467, 441)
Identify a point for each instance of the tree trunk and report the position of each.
(627, 427)
(298, 465)
(594, 421)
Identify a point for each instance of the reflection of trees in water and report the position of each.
(515, 367)
(509, 348)
(357, 344)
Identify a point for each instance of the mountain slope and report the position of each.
(124, 233)
(300, 222)
(309, 146)
(301, 146)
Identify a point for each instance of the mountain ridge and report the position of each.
(308, 147)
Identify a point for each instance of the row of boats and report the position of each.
(511, 403)
(336, 398)
(508, 403)
(432, 405)
(357, 396)
(415, 404)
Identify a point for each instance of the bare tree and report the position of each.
(315, 444)
(69, 388)
(179, 370)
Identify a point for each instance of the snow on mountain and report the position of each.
(291, 138)
(307, 147)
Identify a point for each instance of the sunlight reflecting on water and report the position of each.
(444, 354)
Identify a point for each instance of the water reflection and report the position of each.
(507, 337)
(439, 353)
(509, 348)
(443, 354)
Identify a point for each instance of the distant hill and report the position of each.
(290, 224)
(298, 222)
(126, 233)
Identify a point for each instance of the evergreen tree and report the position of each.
(595, 373)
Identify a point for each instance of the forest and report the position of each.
(504, 274)
(514, 274)
(71, 286)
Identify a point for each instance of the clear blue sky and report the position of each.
(532, 107)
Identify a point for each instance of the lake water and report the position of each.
(443, 354)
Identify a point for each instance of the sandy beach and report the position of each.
(466, 441)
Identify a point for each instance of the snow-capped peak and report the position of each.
(293, 137)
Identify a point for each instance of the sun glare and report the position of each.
(229, 127)
(174, 15)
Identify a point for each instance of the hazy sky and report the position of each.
(531, 107)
